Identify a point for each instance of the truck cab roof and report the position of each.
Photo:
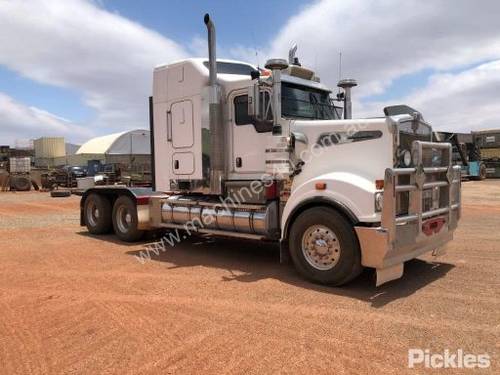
(231, 71)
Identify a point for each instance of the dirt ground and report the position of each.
(75, 303)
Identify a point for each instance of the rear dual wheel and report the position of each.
(125, 221)
(100, 218)
(97, 214)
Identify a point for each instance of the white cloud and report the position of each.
(20, 122)
(109, 59)
(77, 44)
(456, 102)
(383, 40)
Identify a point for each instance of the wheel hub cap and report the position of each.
(321, 247)
(124, 219)
(92, 214)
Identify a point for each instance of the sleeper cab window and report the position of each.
(241, 110)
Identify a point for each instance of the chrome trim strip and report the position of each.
(435, 169)
(430, 185)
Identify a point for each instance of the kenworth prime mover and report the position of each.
(265, 154)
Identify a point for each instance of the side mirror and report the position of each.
(257, 101)
(255, 74)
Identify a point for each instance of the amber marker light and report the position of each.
(320, 185)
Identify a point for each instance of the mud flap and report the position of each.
(284, 252)
(389, 273)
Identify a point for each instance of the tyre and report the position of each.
(60, 193)
(125, 220)
(482, 172)
(97, 214)
(324, 247)
(21, 184)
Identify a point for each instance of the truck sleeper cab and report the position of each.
(266, 155)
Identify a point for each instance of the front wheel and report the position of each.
(125, 220)
(324, 247)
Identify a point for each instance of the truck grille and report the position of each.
(430, 188)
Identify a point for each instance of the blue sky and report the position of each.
(182, 25)
(82, 68)
(238, 21)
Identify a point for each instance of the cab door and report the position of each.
(248, 141)
(182, 135)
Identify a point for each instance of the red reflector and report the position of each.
(433, 226)
(320, 185)
(379, 184)
(272, 191)
(142, 201)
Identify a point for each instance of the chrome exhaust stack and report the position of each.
(276, 66)
(216, 125)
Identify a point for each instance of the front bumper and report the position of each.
(402, 237)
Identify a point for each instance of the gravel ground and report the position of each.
(74, 303)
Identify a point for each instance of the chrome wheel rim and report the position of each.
(123, 219)
(321, 247)
(92, 214)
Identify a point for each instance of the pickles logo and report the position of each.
(447, 359)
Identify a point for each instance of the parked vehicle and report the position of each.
(66, 176)
(76, 172)
(265, 154)
(466, 154)
(489, 143)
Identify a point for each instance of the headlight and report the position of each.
(415, 158)
(406, 158)
(437, 157)
(379, 201)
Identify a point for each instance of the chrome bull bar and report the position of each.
(416, 187)
(404, 236)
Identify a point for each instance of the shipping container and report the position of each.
(487, 138)
(489, 144)
(491, 153)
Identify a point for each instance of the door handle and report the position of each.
(176, 164)
(169, 126)
(238, 162)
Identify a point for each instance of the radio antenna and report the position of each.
(340, 66)
(255, 48)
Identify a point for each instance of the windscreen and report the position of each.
(306, 103)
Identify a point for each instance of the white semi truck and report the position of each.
(265, 154)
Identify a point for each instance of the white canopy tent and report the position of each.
(133, 142)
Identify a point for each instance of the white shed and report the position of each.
(133, 142)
